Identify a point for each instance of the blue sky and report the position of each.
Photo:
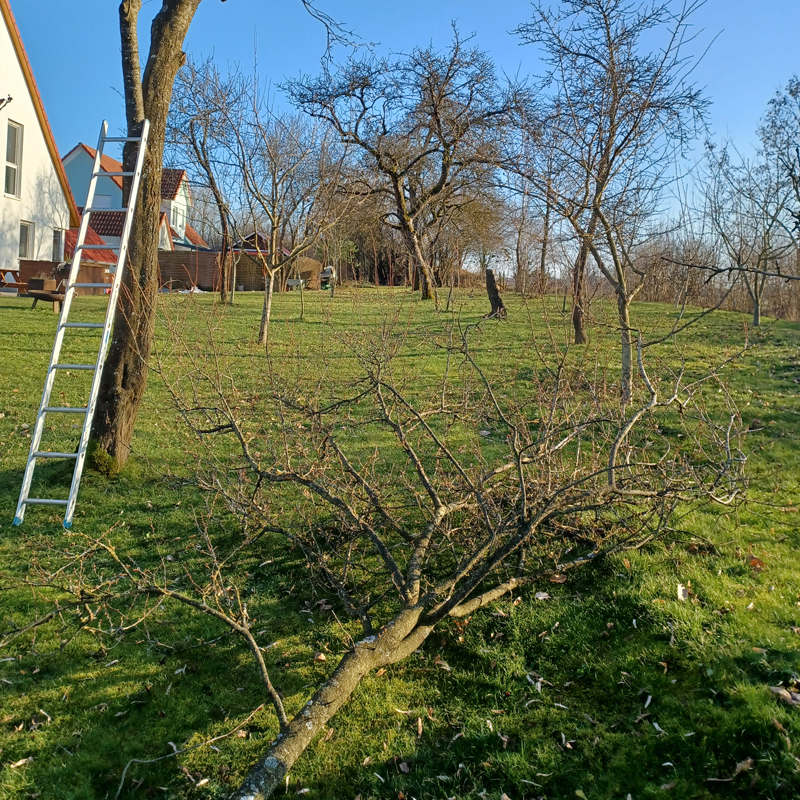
(74, 48)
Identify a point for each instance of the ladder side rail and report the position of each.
(77, 256)
(133, 199)
(38, 429)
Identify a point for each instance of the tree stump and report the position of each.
(498, 309)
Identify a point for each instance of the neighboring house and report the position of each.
(36, 205)
(175, 232)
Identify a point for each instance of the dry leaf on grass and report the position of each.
(742, 766)
(542, 596)
(756, 564)
(404, 768)
(683, 592)
(790, 698)
(558, 578)
(319, 657)
(442, 664)
(21, 762)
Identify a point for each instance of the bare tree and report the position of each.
(780, 137)
(289, 172)
(748, 203)
(616, 113)
(147, 96)
(425, 124)
(424, 532)
(199, 134)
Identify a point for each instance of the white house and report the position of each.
(176, 199)
(36, 205)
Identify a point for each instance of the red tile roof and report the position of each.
(96, 256)
(108, 223)
(194, 237)
(171, 179)
(191, 236)
(25, 66)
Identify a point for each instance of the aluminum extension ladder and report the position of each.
(64, 326)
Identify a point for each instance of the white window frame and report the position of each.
(29, 242)
(58, 252)
(16, 164)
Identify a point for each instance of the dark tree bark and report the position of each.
(498, 309)
(579, 294)
(125, 374)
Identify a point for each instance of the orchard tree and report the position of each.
(426, 125)
(147, 96)
(617, 108)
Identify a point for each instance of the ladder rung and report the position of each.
(74, 366)
(105, 174)
(98, 247)
(123, 139)
(114, 210)
(45, 454)
(66, 409)
(89, 286)
(83, 324)
(40, 501)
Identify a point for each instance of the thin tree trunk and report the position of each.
(578, 292)
(124, 378)
(263, 331)
(545, 243)
(626, 379)
(426, 281)
(498, 309)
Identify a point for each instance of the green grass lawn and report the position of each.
(611, 688)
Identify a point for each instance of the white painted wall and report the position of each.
(42, 200)
(78, 166)
(182, 203)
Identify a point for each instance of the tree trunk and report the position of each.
(426, 280)
(393, 643)
(545, 242)
(578, 292)
(498, 309)
(263, 331)
(125, 375)
(626, 379)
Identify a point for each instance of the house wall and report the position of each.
(42, 200)
(78, 166)
(183, 203)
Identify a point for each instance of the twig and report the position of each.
(185, 749)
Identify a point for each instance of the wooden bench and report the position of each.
(295, 283)
(10, 280)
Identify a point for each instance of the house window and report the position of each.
(58, 245)
(13, 158)
(25, 239)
